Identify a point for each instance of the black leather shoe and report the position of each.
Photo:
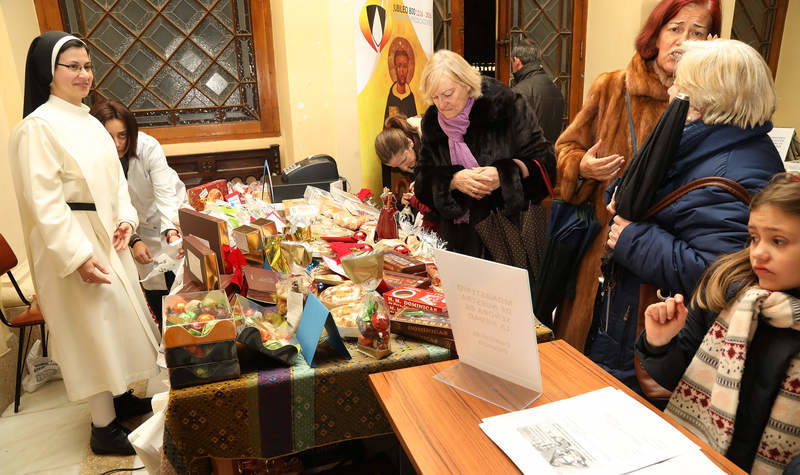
(127, 406)
(111, 440)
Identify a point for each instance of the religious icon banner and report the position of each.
(393, 43)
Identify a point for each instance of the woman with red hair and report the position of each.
(599, 143)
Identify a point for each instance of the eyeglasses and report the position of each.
(76, 68)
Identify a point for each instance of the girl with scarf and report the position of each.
(737, 346)
(77, 220)
(482, 150)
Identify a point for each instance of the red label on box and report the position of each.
(422, 299)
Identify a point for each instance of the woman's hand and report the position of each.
(172, 237)
(619, 224)
(612, 206)
(489, 176)
(92, 272)
(473, 182)
(600, 168)
(122, 236)
(664, 320)
(142, 253)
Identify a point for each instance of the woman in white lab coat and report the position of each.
(156, 192)
(77, 220)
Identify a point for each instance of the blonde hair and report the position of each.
(783, 192)
(727, 81)
(445, 62)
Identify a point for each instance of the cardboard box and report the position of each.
(248, 239)
(397, 279)
(201, 263)
(396, 262)
(212, 231)
(261, 283)
(420, 299)
(266, 226)
(213, 191)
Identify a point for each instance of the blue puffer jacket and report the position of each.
(674, 247)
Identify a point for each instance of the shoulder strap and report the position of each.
(726, 184)
(630, 120)
(546, 179)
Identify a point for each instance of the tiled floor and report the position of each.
(49, 435)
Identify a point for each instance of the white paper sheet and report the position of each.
(782, 139)
(600, 432)
(491, 316)
(691, 462)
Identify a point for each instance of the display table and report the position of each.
(438, 425)
(284, 410)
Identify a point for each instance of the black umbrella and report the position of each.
(570, 230)
(636, 190)
(650, 163)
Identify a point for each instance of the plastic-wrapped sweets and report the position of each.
(372, 317)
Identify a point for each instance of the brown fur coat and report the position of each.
(603, 116)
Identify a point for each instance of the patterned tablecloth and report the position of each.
(279, 411)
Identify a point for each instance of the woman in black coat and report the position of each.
(482, 150)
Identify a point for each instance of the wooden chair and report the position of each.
(32, 316)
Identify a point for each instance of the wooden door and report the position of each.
(559, 28)
(448, 25)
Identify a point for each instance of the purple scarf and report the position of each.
(460, 154)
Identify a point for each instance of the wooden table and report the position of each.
(438, 425)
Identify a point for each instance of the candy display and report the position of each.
(431, 327)
(343, 301)
(372, 317)
(275, 330)
(398, 279)
(420, 299)
(209, 192)
(199, 338)
(261, 283)
(196, 314)
(342, 294)
(345, 318)
(397, 262)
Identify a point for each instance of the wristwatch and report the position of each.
(134, 239)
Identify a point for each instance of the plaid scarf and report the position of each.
(707, 397)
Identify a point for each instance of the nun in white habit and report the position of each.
(77, 220)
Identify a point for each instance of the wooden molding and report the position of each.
(457, 26)
(777, 35)
(198, 168)
(579, 9)
(48, 12)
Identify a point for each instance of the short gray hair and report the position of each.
(447, 63)
(727, 81)
(527, 51)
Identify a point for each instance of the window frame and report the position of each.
(50, 18)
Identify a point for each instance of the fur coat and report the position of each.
(604, 116)
(502, 127)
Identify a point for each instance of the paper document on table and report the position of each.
(693, 461)
(604, 431)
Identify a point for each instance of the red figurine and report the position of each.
(387, 223)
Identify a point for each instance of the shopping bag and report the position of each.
(41, 369)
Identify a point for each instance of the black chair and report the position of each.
(32, 316)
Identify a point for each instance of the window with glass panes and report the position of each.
(172, 62)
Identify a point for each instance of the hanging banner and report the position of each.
(393, 43)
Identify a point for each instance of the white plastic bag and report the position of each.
(41, 369)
